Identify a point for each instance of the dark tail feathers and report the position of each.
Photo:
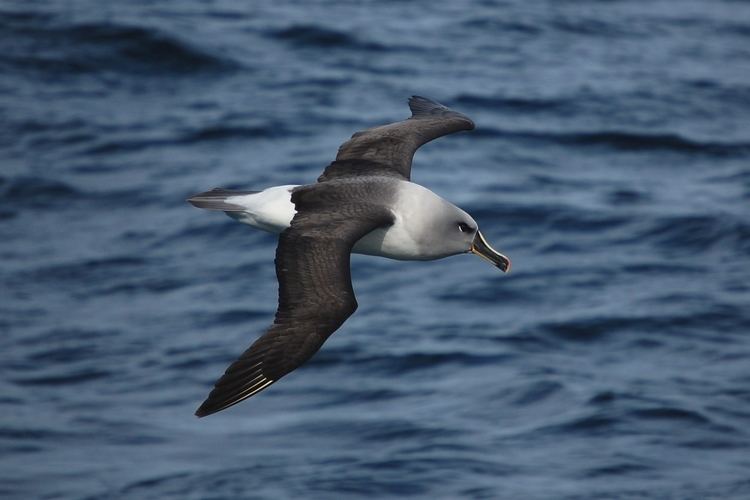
(216, 199)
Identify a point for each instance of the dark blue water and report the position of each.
(611, 161)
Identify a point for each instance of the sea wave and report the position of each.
(624, 141)
(610, 363)
(45, 44)
(311, 35)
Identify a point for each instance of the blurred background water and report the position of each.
(611, 161)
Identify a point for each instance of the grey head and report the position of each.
(447, 230)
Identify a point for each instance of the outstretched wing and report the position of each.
(315, 291)
(389, 149)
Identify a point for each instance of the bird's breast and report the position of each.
(391, 242)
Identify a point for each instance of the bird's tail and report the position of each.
(216, 199)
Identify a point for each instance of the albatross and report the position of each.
(364, 202)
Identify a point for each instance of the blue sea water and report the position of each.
(611, 161)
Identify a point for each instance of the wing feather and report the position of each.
(389, 149)
(315, 289)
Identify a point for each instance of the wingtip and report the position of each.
(218, 400)
(416, 97)
(420, 105)
(201, 412)
(424, 106)
(208, 407)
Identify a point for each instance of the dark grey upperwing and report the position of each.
(389, 149)
(315, 289)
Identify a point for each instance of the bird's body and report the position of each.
(364, 202)
(408, 238)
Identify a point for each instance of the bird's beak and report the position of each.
(480, 247)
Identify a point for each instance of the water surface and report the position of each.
(610, 161)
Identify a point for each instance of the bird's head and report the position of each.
(453, 232)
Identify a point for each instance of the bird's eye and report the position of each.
(464, 227)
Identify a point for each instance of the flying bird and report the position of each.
(364, 202)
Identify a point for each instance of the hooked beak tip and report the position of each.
(508, 265)
(483, 249)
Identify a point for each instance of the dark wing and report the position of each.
(315, 293)
(389, 149)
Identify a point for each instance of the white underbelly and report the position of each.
(390, 242)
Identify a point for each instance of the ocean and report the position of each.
(611, 162)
